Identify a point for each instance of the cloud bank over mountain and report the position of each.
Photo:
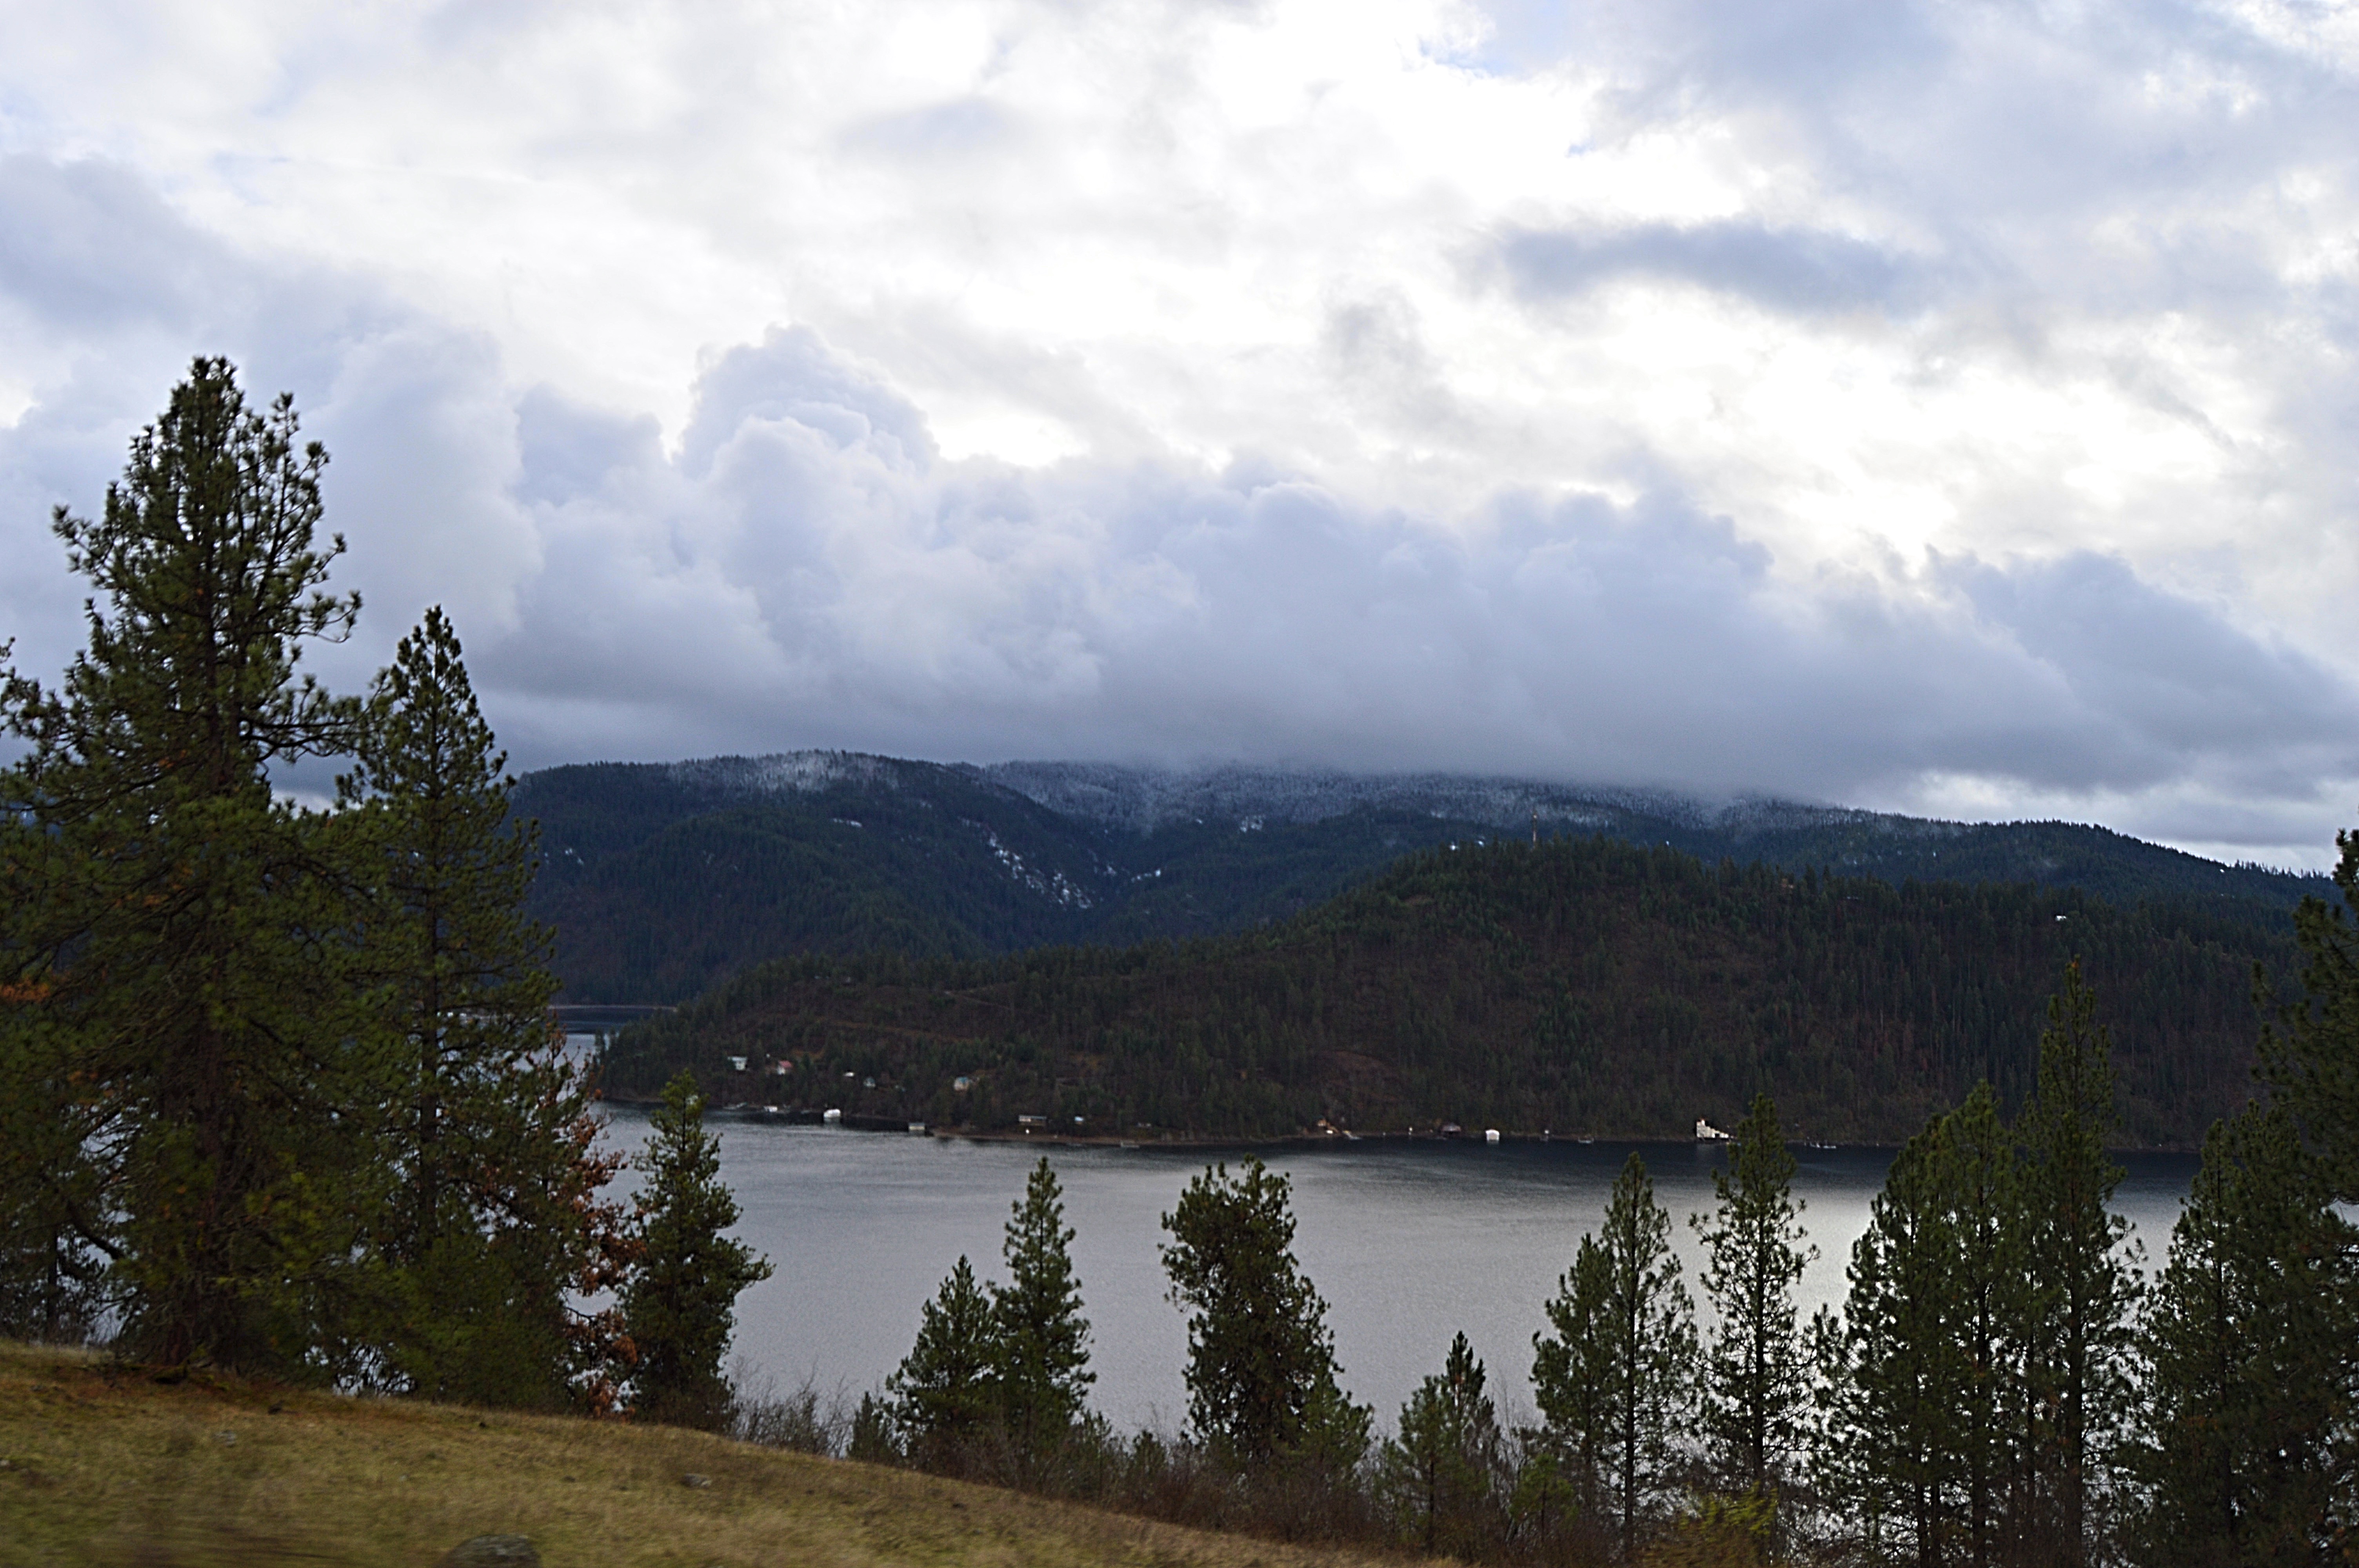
(1929, 407)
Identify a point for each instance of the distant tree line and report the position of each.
(280, 1091)
(2001, 1385)
(1583, 986)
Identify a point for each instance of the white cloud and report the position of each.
(997, 377)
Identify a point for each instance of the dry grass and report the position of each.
(104, 1467)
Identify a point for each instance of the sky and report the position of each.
(1943, 408)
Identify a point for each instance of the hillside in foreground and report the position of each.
(1579, 987)
(664, 879)
(103, 1466)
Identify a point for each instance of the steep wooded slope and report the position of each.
(664, 879)
(1581, 986)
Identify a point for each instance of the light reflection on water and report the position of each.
(1409, 1243)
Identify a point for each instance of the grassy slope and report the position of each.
(102, 1467)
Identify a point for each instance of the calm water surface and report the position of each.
(1409, 1243)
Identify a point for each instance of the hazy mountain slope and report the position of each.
(663, 878)
(1139, 800)
(1584, 986)
(1785, 833)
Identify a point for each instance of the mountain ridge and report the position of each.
(665, 878)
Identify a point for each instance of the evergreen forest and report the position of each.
(2002, 1385)
(1582, 986)
(663, 880)
(280, 1093)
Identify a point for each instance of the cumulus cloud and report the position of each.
(807, 570)
(1930, 405)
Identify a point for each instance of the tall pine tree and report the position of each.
(945, 1394)
(1757, 1380)
(1261, 1360)
(679, 1300)
(2309, 1054)
(1924, 1376)
(167, 994)
(1573, 1382)
(2076, 1322)
(1641, 1352)
(494, 1221)
(1980, 1179)
(1442, 1477)
(1043, 1340)
(2244, 1446)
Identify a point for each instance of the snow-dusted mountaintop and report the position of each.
(1142, 800)
(1139, 800)
(784, 773)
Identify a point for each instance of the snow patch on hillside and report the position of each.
(1140, 800)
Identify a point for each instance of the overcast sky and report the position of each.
(1944, 409)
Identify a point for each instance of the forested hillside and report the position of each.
(663, 879)
(1586, 987)
(2097, 861)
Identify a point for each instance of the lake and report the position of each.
(1409, 1243)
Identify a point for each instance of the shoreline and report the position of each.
(1339, 1138)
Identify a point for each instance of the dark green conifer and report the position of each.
(1757, 1380)
(2309, 1054)
(945, 1394)
(1900, 1376)
(1262, 1377)
(2243, 1444)
(874, 1439)
(1571, 1380)
(1043, 1340)
(1640, 1348)
(2082, 1287)
(165, 1005)
(1440, 1478)
(54, 1243)
(679, 1300)
(494, 1216)
(1990, 1291)
(52, 1276)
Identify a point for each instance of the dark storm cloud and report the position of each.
(106, 294)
